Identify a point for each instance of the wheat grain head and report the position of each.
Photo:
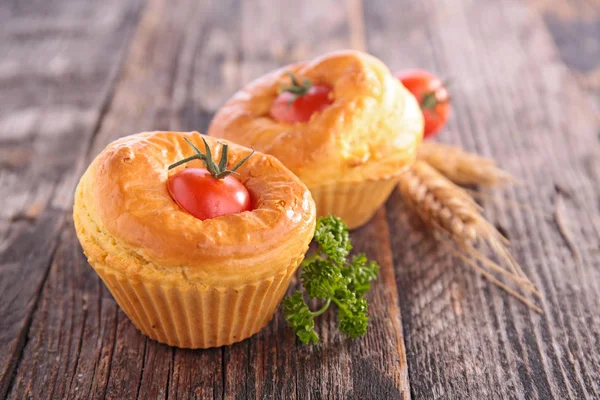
(461, 167)
(455, 218)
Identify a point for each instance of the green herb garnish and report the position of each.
(219, 171)
(330, 276)
(297, 88)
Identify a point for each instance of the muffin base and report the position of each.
(193, 316)
(354, 202)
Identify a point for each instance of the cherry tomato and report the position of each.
(203, 196)
(289, 107)
(431, 94)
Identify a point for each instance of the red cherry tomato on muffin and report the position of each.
(203, 196)
(300, 100)
(431, 94)
(209, 192)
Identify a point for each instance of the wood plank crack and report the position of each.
(139, 386)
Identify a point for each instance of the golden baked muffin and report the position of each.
(342, 123)
(186, 281)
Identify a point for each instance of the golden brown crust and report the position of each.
(371, 131)
(127, 220)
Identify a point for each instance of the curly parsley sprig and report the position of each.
(329, 275)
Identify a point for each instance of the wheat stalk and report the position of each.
(462, 167)
(455, 218)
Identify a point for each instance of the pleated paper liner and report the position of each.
(354, 202)
(197, 317)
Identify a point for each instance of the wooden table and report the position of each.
(75, 75)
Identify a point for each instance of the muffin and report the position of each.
(184, 281)
(342, 123)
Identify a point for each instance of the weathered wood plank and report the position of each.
(61, 322)
(115, 360)
(171, 81)
(575, 28)
(143, 101)
(273, 364)
(466, 339)
(513, 100)
(28, 255)
(379, 361)
(59, 62)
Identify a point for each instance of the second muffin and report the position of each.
(342, 123)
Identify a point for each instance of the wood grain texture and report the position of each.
(515, 101)
(77, 75)
(125, 363)
(56, 73)
(183, 62)
(276, 365)
(575, 28)
(273, 365)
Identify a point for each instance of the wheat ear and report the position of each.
(462, 167)
(452, 215)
